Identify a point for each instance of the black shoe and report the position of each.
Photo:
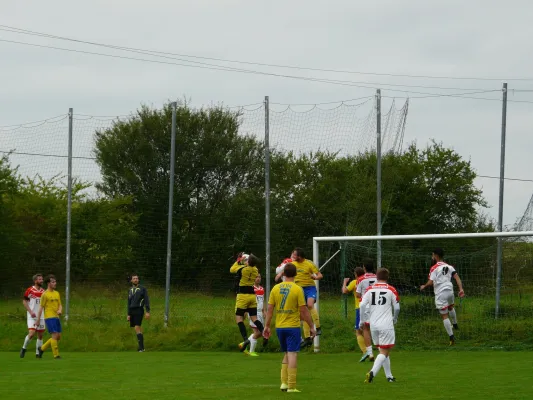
(452, 340)
(308, 342)
(37, 356)
(22, 353)
(40, 352)
(57, 358)
(391, 379)
(265, 342)
(318, 331)
(244, 345)
(456, 327)
(369, 377)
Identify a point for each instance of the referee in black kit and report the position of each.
(137, 301)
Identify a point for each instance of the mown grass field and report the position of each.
(216, 375)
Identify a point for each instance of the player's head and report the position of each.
(253, 261)
(298, 254)
(437, 255)
(38, 280)
(383, 274)
(51, 282)
(135, 279)
(359, 272)
(258, 279)
(290, 270)
(368, 265)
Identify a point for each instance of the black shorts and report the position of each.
(252, 312)
(136, 319)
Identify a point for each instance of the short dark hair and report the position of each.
(289, 270)
(36, 276)
(359, 271)
(438, 251)
(368, 264)
(299, 252)
(49, 278)
(253, 261)
(132, 275)
(382, 274)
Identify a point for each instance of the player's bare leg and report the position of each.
(368, 343)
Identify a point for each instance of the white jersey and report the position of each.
(378, 304)
(441, 274)
(260, 298)
(33, 296)
(364, 282)
(280, 268)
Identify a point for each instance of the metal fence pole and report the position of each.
(69, 214)
(174, 106)
(500, 205)
(378, 173)
(267, 197)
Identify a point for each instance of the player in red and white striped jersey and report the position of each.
(363, 283)
(260, 297)
(31, 302)
(440, 277)
(381, 305)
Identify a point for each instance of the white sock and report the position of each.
(369, 350)
(380, 359)
(27, 341)
(453, 316)
(253, 343)
(39, 344)
(386, 368)
(448, 326)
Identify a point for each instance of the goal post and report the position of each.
(474, 253)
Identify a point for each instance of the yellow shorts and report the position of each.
(245, 301)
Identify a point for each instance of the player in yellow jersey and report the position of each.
(287, 298)
(51, 305)
(306, 274)
(350, 288)
(246, 269)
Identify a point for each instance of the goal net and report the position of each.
(497, 311)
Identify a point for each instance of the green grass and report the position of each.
(215, 375)
(200, 322)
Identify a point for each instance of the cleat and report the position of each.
(40, 350)
(365, 356)
(37, 356)
(22, 353)
(284, 387)
(318, 331)
(456, 327)
(244, 345)
(265, 342)
(452, 340)
(253, 354)
(246, 352)
(391, 379)
(308, 342)
(369, 377)
(293, 391)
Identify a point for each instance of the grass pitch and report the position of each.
(214, 375)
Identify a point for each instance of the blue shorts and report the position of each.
(53, 325)
(357, 319)
(289, 339)
(309, 292)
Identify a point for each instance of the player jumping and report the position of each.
(31, 301)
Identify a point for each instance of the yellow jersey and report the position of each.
(248, 274)
(287, 298)
(304, 270)
(50, 301)
(351, 288)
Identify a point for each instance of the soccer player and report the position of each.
(381, 304)
(307, 273)
(246, 300)
(279, 270)
(287, 299)
(350, 288)
(363, 283)
(51, 305)
(138, 301)
(440, 277)
(31, 301)
(260, 296)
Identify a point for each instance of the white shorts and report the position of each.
(443, 300)
(383, 338)
(259, 317)
(31, 324)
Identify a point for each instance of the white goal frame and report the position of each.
(318, 239)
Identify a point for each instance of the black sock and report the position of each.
(140, 340)
(242, 329)
(259, 325)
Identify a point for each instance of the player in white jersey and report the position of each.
(31, 302)
(280, 268)
(440, 277)
(381, 303)
(260, 297)
(363, 283)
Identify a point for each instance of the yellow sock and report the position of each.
(55, 348)
(292, 378)
(307, 331)
(284, 373)
(46, 345)
(316, 318)
(361, 343)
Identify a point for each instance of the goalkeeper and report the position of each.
(246, 269)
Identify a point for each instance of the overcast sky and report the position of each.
(484, 39)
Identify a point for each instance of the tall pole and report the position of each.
(500, 203)
(267, 197)
(69, 213)
(316, 260)
(378, 154)
(174, 106)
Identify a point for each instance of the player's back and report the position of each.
(441, 274)
(287, 298)
(364, 282)
(380, 299)
(33, 296)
